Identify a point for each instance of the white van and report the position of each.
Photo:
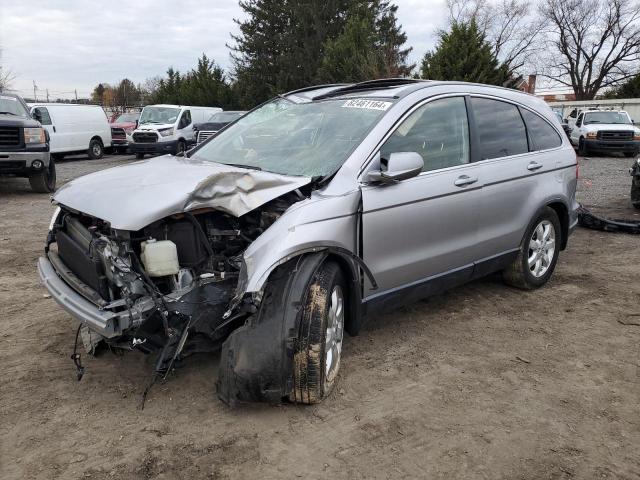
(168, 128)
(74, 128)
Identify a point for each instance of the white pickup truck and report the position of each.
(605, 131)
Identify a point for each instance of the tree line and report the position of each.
(282, 45)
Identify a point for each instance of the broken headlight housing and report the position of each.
(56, 212)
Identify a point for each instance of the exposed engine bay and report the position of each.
(169, 287)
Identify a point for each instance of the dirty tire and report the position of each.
(96, 150)
(45, 181)
(310, 384)
(139, 156)
(518, 273)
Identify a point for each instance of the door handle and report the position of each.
(534, 166)
(54, 128)
(464, 180)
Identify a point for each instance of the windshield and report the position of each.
(311, 139)
(127, 118)
(606, 117)
(224, 117)
(11, 105)
(159, 115)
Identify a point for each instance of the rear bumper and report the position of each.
(107, 323)
(21, 163)
(156, 147)
(613, 146)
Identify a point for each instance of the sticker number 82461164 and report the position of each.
(367, 104)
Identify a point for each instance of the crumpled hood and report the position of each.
(132, 196)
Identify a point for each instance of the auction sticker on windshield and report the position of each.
(368, 104)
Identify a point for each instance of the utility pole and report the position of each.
(76, 92)
(35, 89)
(47, 95)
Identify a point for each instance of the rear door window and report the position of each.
(438, 131)
(541, 135)
(500, 127)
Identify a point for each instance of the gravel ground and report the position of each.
(483, 382)
(605, 184)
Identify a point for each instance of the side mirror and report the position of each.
(565, 121)
(37, 115)
(400, 166)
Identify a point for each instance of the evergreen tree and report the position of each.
(628, 89)
(370, 46)
(464, 54)
(281, 44)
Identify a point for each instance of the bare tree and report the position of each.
(592, 43)
(6, 77)
(507, 25)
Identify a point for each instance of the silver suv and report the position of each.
(306, 216)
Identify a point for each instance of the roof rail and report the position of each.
(380, 84)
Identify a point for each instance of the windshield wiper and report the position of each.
(239, 165)
(8, 113)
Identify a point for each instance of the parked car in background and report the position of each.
(24, 145)
(167, 128)
(215, 123)
(74, 128)
(565, 125)
(605, 131)
(122, 128)
(311, 212)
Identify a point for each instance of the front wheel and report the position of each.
(96, 150)
(630, 154)
(583, 150)
(45, 181)
(181, 147)
(139, 156)
(538, 253)
(316, 361)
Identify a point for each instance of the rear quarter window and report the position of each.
(500, 128)
(542, 135)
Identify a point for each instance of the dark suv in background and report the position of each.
(24, 145)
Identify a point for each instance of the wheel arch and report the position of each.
(563, 215)
(97, 137)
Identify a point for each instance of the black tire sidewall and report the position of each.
(546, 214)
(50, 176)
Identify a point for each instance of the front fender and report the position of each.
(312, 225)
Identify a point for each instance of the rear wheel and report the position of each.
(538, 253)
(96, 150)
(319, 346)
(45, 181)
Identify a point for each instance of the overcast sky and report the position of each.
(74, 44)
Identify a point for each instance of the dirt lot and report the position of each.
(483, 382)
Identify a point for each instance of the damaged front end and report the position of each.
(170, 287)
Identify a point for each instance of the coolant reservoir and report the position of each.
(160, 258)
